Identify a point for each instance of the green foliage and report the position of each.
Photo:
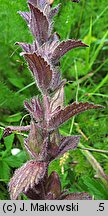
(9, 99)
(87, 80)
(94, 187)
(8, 163)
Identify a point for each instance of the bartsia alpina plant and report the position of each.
(48, 112)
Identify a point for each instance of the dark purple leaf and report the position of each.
(28, 107)
(69, 111)
(53, 145)
(34, 2)
(35, 108)
(44, 152)
(68, 143)
(36, 193)
(34, 141)
(54, 11)
(49, 47)
(55, 138)
(29, 175)
(41, 4)
(28, 48)
(53, 186)
(57, 99)
(39, 25)
(77, 196)
(56, 82)
(46, 105)
(10, 129)
(54, 40)
(41, 70)
(45, 8)
(64, 47)
(25, 15)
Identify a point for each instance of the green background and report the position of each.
(87, 80)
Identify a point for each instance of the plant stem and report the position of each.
(94, 150)
(96, 166)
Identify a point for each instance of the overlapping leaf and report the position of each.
(35, 193)
(53, 186)
(28, 48)
(53, 145)
(54, 11)
(35, 108)
(25, 15)
(34, 2)
(57, 99)
(48, 48)
(39, 25)
(68, 143)
(44, 5)
(41, 71)
(29, 175)
(56, 82)
(41, 4)
(69, 111)
(64, 47)
(34, 142)
(60, 144)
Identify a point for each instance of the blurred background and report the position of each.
(86, 71)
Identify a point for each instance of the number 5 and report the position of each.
(101, 206)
